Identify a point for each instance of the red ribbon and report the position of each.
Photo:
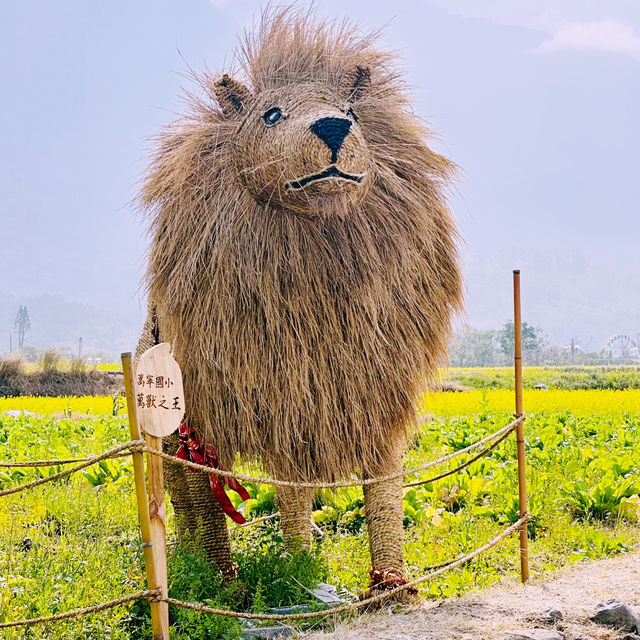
(192, 448)
(388, 579)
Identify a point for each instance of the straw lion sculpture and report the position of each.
(304, 266)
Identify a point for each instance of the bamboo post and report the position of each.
(141, 496)
(157, 514)
(522, 471)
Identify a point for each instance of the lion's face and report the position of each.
(301, 146)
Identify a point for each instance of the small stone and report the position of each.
(551, 616)
(618, 614)
(630, 636)
(16, 413)
(535, 634)
(326, 593)
(285, 611)
(26, 544)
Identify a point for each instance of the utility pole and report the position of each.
(22, 325)
(573, 349)
(80, 347)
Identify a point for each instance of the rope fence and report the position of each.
(25, 464)
(352, 606)
(138, 446)
(155, 595)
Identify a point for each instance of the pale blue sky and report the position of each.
(537, 100)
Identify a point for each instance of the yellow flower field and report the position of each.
(95, 405)
(579, 403)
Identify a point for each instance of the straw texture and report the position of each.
(303, 261)
(295, 516)
(384, 516)
(306, 324)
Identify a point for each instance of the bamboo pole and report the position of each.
(157, 515)
(522, 471)
(141, 496)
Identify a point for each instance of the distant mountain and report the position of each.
(57, 321)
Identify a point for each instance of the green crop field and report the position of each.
(75, 542)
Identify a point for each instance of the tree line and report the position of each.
(473, 347)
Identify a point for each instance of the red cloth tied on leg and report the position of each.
(193, 449)
(389, 579)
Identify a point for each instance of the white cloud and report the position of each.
(570, 25)
(544, 15)
(532, 14)
(609, 36)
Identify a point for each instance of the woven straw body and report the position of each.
(303, 260)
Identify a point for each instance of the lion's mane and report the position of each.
(305, 341)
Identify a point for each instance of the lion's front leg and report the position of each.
(208, 522)
(199, 516)
(175, 477)
(383, 508)
(295, 516)
(384, 514)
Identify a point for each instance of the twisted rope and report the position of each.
(52, 463)
(464, 465)
(261, 519)
(340, 483)
(131, 446)
(362, 603)
(149, 594)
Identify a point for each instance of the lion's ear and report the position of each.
(232, 95)
(355, 83)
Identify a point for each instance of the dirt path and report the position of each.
(508, 606)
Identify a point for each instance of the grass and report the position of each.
(75, 542)
(51, 378)
(561, 378)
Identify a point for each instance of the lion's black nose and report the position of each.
(332, 131)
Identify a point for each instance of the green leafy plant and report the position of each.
(103, 472)
(278, 576)
(602, 499)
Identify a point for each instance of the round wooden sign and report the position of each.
(158, 390)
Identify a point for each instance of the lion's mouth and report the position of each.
(331, 172)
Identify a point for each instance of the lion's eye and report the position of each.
(350, 112)
(273, 116)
